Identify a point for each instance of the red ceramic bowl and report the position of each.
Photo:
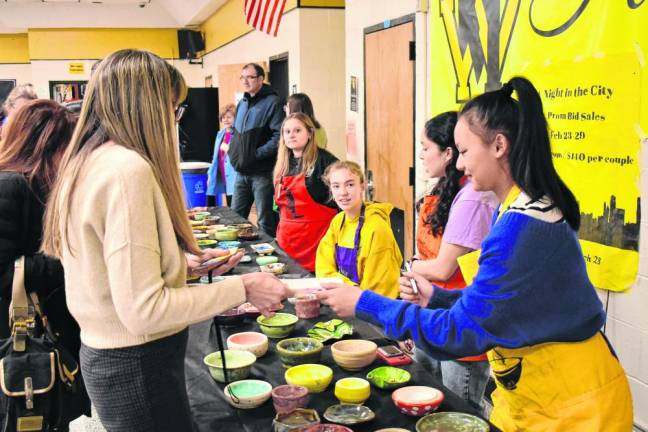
(417, 400)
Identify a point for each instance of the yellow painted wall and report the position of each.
(228, 23)
(322, 3)
(58, 44)
(14, 48)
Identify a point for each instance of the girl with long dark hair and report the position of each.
(531, 305)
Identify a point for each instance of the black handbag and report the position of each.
(42, 389)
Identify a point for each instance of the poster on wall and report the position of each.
(591, 76)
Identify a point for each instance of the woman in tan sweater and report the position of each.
(117, 222)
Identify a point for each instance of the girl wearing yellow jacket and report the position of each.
(359, 246)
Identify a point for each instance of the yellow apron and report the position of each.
(556, 386)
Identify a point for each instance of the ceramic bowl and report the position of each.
(300, 350)
(352, 390)
(354, 354)
(226, 234)
(348, 414)
(307, 307)
(248, 234)
(199, 228)
(265, 260)
(211, 220)
(207, 243)
(238, 365)
(327, 427)
(200, 215)
(279, 326)
(254, 342)
(231, 318)
(388, 377)
(287, 398)
(451, 421)
(315, 377)
(229, 244)
(240, 226)
(295, 421)
(201, 236)
(262, 248)
(246, 394)
(417, 400)
(274, 268)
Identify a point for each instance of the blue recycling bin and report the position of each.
(194, 179)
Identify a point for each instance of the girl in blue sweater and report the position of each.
(530, 305)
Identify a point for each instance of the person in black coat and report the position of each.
(35, 139)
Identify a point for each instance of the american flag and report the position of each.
(264, 15)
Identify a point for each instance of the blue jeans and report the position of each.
(258, 189)
(466, 379)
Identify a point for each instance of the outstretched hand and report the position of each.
(208, 261)
(425, 289)
(341, 298)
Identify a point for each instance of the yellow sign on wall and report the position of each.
(76, 68)
(587, 60)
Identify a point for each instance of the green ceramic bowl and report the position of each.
(279, 326)
(265, 260)
(246, 394)
(207, 243)
(238, 365)
(451, 421)
(300, 350)
(388, 377)
(228, 234)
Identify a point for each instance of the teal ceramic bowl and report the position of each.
(300, 350)
(388, 377)
(246, 394)
(279, 326)
(238, 365)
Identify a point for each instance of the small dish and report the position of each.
(238, 365)
(330, 330)
(287, 398)
(229, 244)
(240, 226)
(247, 394)
(299, 350)
(246, 259)
(265, 260)
(230, 318)
(200, 215)
(199, 228)
(296, 420)
(388, 377)
(274, 268)
(204, 244)
(315, 377)
(327, 427)
(349, 414)
(201, 236)
(352, 390)
(417, 400)
(451, 421)
(226, 234)
(263, 248)
(354, 354)
(254, 342)
(195, 222)
(279, 326)
(211, 220)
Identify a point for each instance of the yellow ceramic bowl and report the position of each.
(315, 377)
(352, 390)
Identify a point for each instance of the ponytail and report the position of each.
(523, 123)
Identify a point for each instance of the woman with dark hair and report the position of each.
(531, 305)
(35, 138)
(453, 220)
(300, 102)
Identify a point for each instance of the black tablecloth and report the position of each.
(211, 411)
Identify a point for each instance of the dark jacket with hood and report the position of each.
(21, 225)
(256, 132)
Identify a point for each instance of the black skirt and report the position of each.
(139, 388)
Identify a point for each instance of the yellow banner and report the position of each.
(588, 61)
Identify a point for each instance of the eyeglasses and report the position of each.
(248, 77)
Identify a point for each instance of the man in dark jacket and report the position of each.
(253, 151)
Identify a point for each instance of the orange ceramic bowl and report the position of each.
(354, 354)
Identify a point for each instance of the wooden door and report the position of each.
(389, 144)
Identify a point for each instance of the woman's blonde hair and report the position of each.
(22, 91)
(229, 108)
(353, 167)
(309, 155)
(130, 101)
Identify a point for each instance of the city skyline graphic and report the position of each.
(610, 228)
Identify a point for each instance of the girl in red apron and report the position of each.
(530, 304)
(303, 200)
(359, 246)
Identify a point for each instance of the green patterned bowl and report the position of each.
(388, 377)
(279, 326)
(300, 350)
(238, 365)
